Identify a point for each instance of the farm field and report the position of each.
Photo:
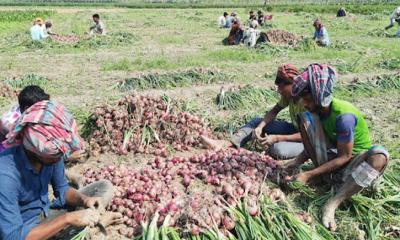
(177, 57)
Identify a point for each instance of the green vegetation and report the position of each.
(169, 80)
(18, 16)
(26, 80)
(244, 98)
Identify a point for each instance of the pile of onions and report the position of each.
(143, 124)
(191, 192)
(6, 91)
(68, 39)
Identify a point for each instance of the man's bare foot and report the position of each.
(328, 216)
(215, 144)
(110, 218)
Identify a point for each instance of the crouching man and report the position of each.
(42, 138)
(337, 140)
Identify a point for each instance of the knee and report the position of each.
(278, 152)
(378, 161)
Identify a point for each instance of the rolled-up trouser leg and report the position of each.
(286, 150)
(103, 189)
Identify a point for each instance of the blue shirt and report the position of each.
(24, 192)
(322, 36)
(37, 33)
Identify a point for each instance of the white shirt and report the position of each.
(222, 21)
(396, 13)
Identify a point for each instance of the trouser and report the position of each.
(320, 150)
(280, 150)
(102, 189)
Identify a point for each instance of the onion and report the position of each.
(228, 223)
(186, 181)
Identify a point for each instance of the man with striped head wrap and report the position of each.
(282, 139)
(337, 140)
(42, 138)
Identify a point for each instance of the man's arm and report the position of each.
(47, 230)
(66, 195)
(344, 156)
(345, 127)
(289, 138)
(270, 115)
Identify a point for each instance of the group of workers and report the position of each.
(332, 133)
(250, 36)
(38, 136)
(42, 30)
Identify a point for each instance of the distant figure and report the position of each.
(48, 28)
(260, 18)
(236, 33)
(251, 35)
(341, 12)
(37, 31)
(321, 34)
(230, 19)
(222, 21)
(395, 17)
(251, 15)
(99, 27)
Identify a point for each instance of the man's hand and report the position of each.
(258, 132)
(93, 203)
(269, 140)
(303, 177)
(83, 218)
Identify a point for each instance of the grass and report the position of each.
(170, 80)
(245, 98)
(26, 15)
(26, 80)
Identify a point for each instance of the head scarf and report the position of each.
(286, 73)
(48, 130)
(320, 79)
(318, 24)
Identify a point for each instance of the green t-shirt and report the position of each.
(294, 108)
(345, 123)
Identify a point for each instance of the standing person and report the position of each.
(282, 138)
(395, 17)
(321, 34)
(37, 31)
(43, 136)
(99, 27)
(336, 138)
(222, 21)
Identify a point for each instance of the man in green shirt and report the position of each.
(336, 138)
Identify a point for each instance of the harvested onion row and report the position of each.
(142, 124)
(194, 192)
